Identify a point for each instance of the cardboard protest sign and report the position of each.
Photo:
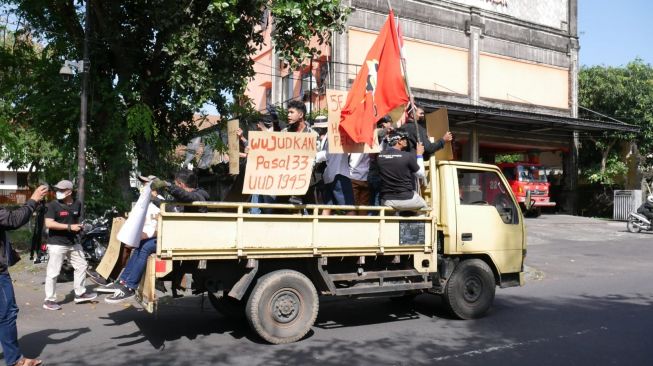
(338, 143)
(234, 147)
(110, 257)
(437, 123)
(279, 163)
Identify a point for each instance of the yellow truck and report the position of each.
(273, 268)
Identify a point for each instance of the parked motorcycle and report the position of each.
(638, 222)
(94, 236)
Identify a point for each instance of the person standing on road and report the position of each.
(62, 221)
(10, 220)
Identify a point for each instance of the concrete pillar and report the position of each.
(474, 29)
(570, 189)
(574, 47)
(276, 79)
(471, 150)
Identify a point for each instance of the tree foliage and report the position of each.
(624, 93)
(153, 65)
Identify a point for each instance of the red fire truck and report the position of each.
(525, 177)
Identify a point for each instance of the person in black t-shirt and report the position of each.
(62, 222)
(398, 169)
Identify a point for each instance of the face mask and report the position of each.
(61, 195)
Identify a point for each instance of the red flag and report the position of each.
(378, 89)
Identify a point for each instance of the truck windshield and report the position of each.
(536, 174)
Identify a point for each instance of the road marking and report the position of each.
(482, 351)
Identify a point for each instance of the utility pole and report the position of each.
(81, 149)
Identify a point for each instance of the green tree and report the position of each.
(153, 65)
(624, 93)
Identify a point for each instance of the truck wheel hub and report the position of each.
(473, 289)
(285, 306)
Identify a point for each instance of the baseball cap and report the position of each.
(320, 122)
(64, 185)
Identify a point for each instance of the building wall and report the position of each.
(550, 13)
(489, 52)
(519, 55)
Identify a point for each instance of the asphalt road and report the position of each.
(588, 301)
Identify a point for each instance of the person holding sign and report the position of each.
(412, 129)
(297, 118)
(398, 168)
(297, 123)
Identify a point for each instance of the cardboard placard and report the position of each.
(110, 257)
(437, 124)
(279, 163)
(338, 143)
(234, 146)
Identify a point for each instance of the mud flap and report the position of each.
(146, 293)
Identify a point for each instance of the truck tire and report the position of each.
(282, 307)
(469, 293)
(228, 306)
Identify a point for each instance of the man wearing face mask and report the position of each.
(412, 129)
(62, 221)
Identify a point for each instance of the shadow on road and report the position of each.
(580, 330)
(34, 343)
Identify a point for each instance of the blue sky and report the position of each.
(613, 33)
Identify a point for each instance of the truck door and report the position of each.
(488, 218)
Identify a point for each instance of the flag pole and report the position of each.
(410, 93)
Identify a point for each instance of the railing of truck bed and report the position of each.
(228, 231)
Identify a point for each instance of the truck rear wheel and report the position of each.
(469, 293)
(282, 307)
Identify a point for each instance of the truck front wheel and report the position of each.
(469, 293)
(282, 307)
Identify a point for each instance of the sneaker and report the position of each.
(96, 278)
(51, 305)
(121, 295)
(110, 288)
(86, 296)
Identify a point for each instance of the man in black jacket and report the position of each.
(646, 208)
(183, 191)
(412, 129)
(10, 220)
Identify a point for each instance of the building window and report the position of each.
(309, 84)
(268, 97)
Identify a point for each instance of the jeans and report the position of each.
(135, 267)
(57, 253)
(8, 315)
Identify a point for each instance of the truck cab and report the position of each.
(528, 177)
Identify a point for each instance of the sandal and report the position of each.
(28, 362)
